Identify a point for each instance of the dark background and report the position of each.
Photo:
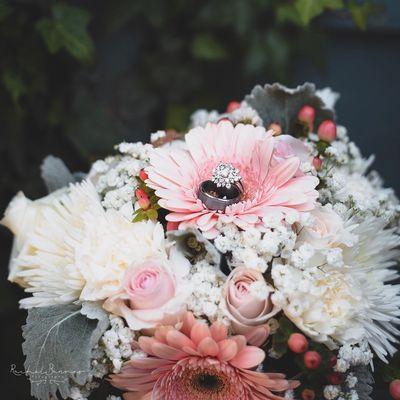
(79, 77)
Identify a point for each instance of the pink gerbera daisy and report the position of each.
(197, 362)
(269, 184)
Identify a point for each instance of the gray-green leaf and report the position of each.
(58, 344)
(279, 104)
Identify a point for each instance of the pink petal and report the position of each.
(208, 347)
(249, 357)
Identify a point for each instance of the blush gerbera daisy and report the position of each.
(198, 362)
(236, 165)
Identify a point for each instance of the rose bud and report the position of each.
(307, 115)
(249, 310)
(143, 175)
(276, 128)
(335, 378)
(327, 131)
(394, 389)
(317, 163)
(308, 394)
(143, 199)
(232, 106)
(298, 343)
(312, 359)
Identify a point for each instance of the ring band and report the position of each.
(218, 203)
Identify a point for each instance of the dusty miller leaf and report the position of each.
(55, 173)
(276, 103)
(58, 344)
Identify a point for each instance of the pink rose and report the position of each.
(248, 303)
(151, 294)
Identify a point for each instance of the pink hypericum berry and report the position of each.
(332, 361)
(317, 162)
(312, 359)
(172, 226)
(307, 115)
(143, 175)
(308, 394)
(394, 389)
(232, 106)
(298, 343)
(276, 128)
(335, 378)
(327, 131)
(143, 199)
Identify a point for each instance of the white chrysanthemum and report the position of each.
(74, 249)
(341, 293)
(371, 261)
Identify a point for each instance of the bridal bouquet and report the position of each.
(252, 257)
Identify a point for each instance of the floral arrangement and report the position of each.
(252, 257)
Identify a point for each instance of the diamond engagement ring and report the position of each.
(224, 189)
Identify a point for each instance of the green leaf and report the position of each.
(14, 84)
(58, 344)
(206, 47)
(361, 12)
(309, 9)
(67, 29)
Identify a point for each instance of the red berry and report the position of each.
(307, 115)
(232, 106)
(312, 359)
(276, 128)
(172, 226)
(332, 361)
(224, 119)
(327, 131)
(308, 394)
(335, 378)
(143, 175)
(394, 389)
(298, 343)
(317, 162)
(143, 199)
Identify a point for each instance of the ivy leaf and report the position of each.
(206, 47)
(361, 12)
(309, 9)
(67, 29)
(14, 85)
(58, 344)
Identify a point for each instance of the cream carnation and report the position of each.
(324, 304)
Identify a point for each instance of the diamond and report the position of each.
(225, 175)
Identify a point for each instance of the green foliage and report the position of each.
(309, 9)
(361, 12)
(281, 337)
(78, 77)
(67, 28)
(390, 372)
(152, 212)
(207, 47)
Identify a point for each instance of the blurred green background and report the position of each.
(77, 77)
